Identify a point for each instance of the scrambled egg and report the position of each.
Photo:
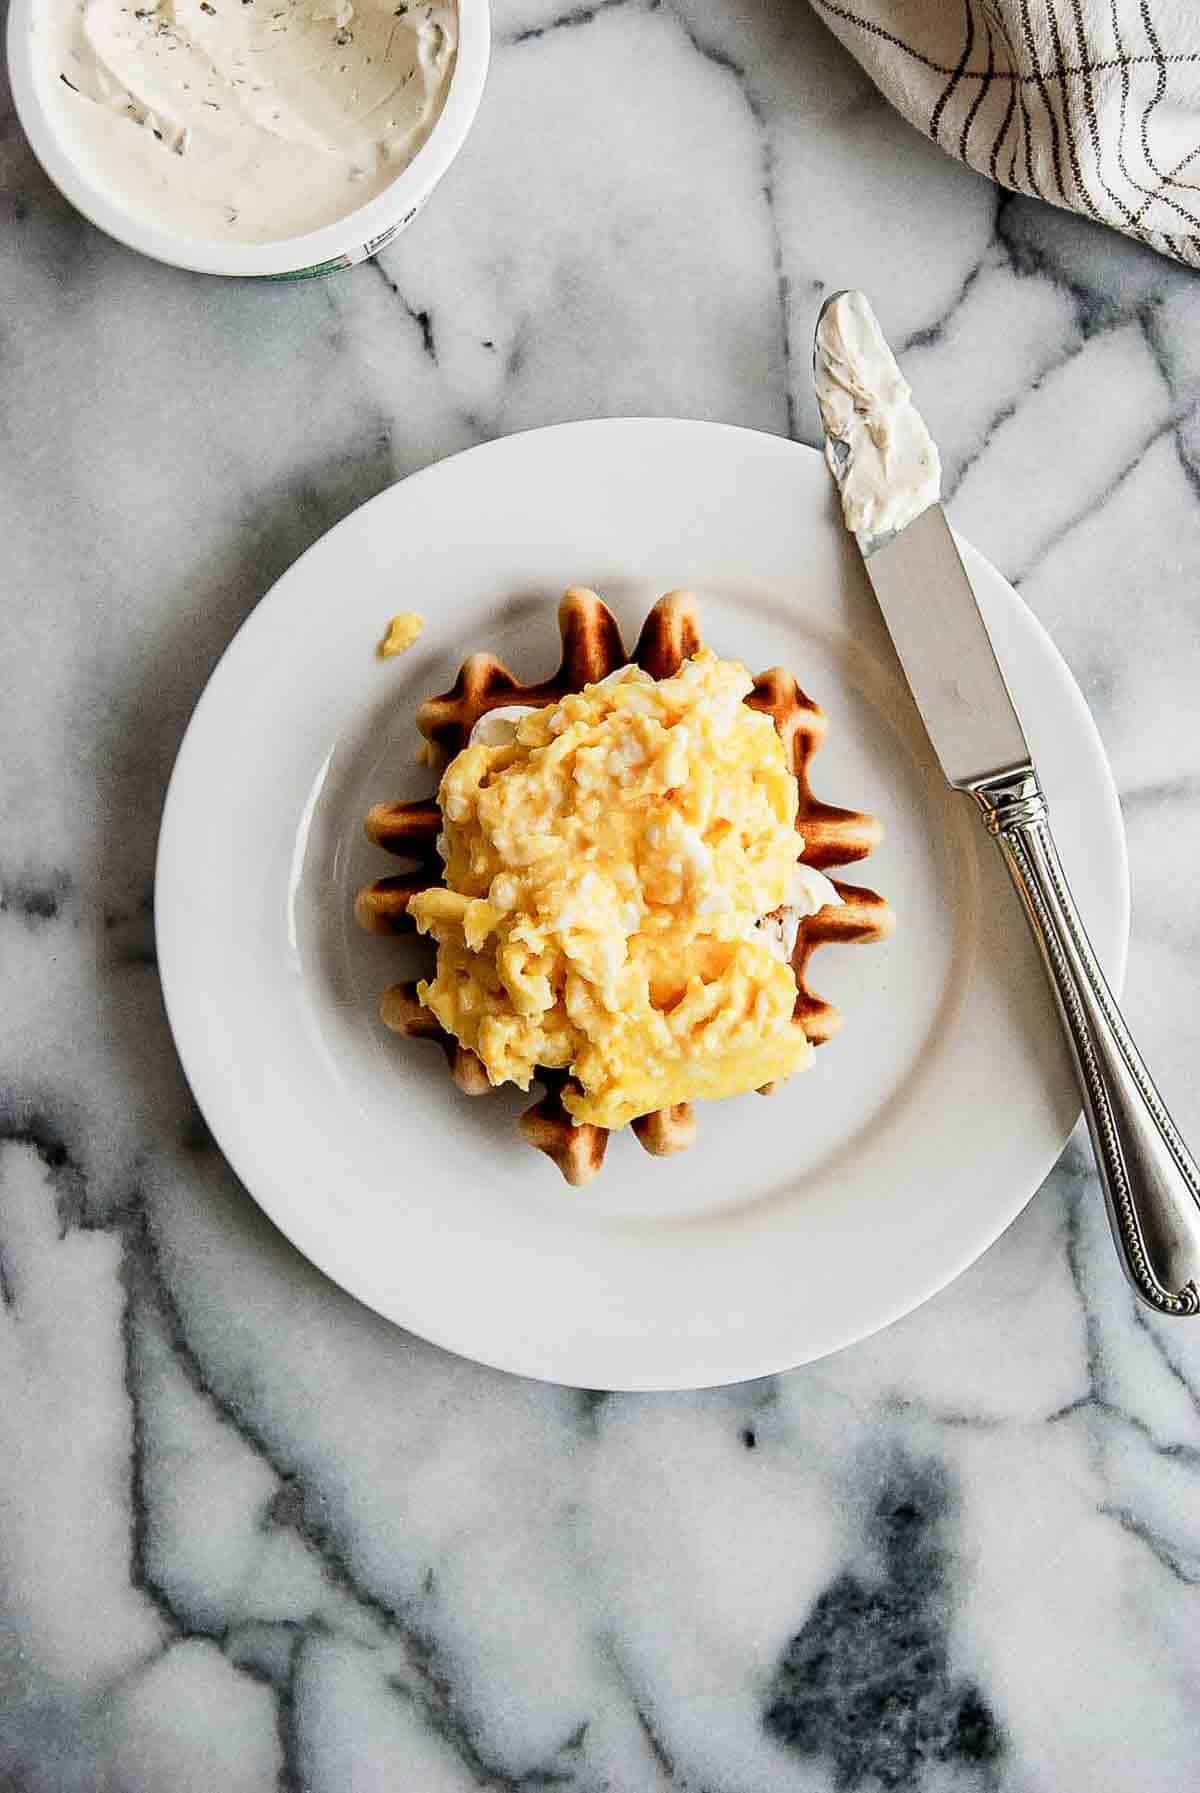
(403, 630)
(607, 869)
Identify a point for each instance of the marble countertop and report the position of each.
(251, 1536)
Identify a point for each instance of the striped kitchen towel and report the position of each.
(1091, 104)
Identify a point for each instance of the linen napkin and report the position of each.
(1090, 104)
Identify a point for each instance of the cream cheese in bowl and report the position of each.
(253, 119)
(248, 136)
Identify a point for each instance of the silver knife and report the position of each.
(887, 469)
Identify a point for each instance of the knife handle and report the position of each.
(1151, 1184)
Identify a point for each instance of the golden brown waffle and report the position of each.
(591, 649)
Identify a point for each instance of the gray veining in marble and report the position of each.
(252, 1537)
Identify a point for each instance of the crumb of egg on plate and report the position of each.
(403, 630)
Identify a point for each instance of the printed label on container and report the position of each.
(352, 256)
(385, 236)
(318, 268)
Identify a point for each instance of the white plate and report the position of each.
(795, 1224)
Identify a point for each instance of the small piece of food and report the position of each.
(631, 913)
(402, 631)
(609, 866)
(499, 727)
(810, 892)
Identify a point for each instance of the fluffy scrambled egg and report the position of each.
(607, 869)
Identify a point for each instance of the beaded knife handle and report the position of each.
(1151, 1183)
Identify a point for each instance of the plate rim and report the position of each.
(324, 1251)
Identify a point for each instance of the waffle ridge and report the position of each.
(591, 649)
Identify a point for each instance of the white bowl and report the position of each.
(339, 245)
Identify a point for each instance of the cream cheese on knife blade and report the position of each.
(245, 120)
(879, 451)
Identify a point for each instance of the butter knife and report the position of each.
(886, 467)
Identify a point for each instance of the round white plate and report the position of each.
(795, 1224)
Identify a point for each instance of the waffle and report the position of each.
(591, 649)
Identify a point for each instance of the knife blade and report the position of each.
(946, 652)
(888, 471)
